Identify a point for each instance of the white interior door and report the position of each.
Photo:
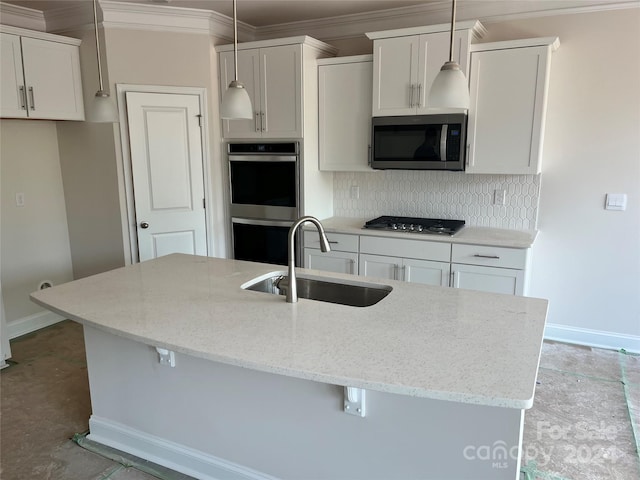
(166, 162)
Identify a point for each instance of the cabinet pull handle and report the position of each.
(494, 257)
(404, 273)
(395, 271)
(23, 98)
(419, 102)
(455, 280)
(33, 100)
(334, 242)
(353, 267)
(411, 87)
(257, 121)
(262, 127)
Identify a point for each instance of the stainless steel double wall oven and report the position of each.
(265, 199)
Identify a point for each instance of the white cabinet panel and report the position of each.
(425, 272)
(340, 242)
(249, 76)
(51, 86)
(344, 114)
(508, 90)
(379, 266)
(419, 249)
(12, 88)
(338, 262)
(488, 279)
(489, 256)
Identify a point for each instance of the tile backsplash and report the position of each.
(436, 194)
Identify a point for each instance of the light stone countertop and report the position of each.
(423, 341)
(495, 237)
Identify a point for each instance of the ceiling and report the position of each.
(256, 12)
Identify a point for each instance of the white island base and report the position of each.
(217, 421)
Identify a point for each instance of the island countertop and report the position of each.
(433, 342)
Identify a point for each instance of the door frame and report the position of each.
(131, 233)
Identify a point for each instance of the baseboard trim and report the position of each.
(31, 323)
(168, 454)
(592, 338)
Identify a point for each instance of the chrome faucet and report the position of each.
(292, 291)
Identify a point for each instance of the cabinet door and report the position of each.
(344, 114)
(12, 95)
(395, 75)
(339, 262)
(434, 52)
(52, 76)
(506, 116)
(488, 279)
(249, 76)
(380, 266)
(281, 91)
(427, 273)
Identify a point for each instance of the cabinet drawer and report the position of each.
(400, 247)
(490, 256)
(340, 242)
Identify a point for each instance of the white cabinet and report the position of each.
(406, 61)
(273, 79)
(343, 257)
(280, 78)
(415, 261)
(405, 269)
(508, 88)
(344, 113)
(40, 76)
(489, 269)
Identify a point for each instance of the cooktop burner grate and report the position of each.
(433, 226)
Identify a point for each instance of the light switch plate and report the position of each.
(499, 197)
(616, 201)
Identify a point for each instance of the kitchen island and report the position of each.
(256, 386)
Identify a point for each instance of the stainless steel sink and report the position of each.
(343, 292)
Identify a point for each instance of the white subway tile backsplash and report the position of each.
(440, 195)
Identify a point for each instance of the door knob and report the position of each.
(144, 225)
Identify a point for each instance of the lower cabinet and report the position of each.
(405, 269)
(488, 279)
(338, 262)
(472, 267)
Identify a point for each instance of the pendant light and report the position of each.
(450, 88)
(102, 109)
(236, 103)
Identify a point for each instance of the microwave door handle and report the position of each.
(443, 142)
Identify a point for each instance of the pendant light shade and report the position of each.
(236, 103)
(102, 108)
(450, 89)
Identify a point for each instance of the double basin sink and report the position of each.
(322, 289)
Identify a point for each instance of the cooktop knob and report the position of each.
(394, 226)
(402, 226)
(412, 227)
(419, 228)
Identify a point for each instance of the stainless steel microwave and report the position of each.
(419, 142)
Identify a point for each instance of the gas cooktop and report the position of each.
(433, 226)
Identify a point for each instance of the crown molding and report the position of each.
(22, 17)
(491, 11)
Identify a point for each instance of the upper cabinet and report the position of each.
(508, 88)
(406, 61)
(272, 73)
(344, 113)
(39, 76)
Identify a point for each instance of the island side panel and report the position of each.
(285, 427)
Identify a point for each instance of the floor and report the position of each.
(583, 426)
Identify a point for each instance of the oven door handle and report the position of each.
(443, 142)
(263, 158)
(264, 223)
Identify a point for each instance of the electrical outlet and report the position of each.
(19, 199)
(499, 197)
(355, 192)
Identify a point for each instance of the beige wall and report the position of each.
(35, 241)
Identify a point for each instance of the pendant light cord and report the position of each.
(235, 40)
(95, 23)
(453, 26)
